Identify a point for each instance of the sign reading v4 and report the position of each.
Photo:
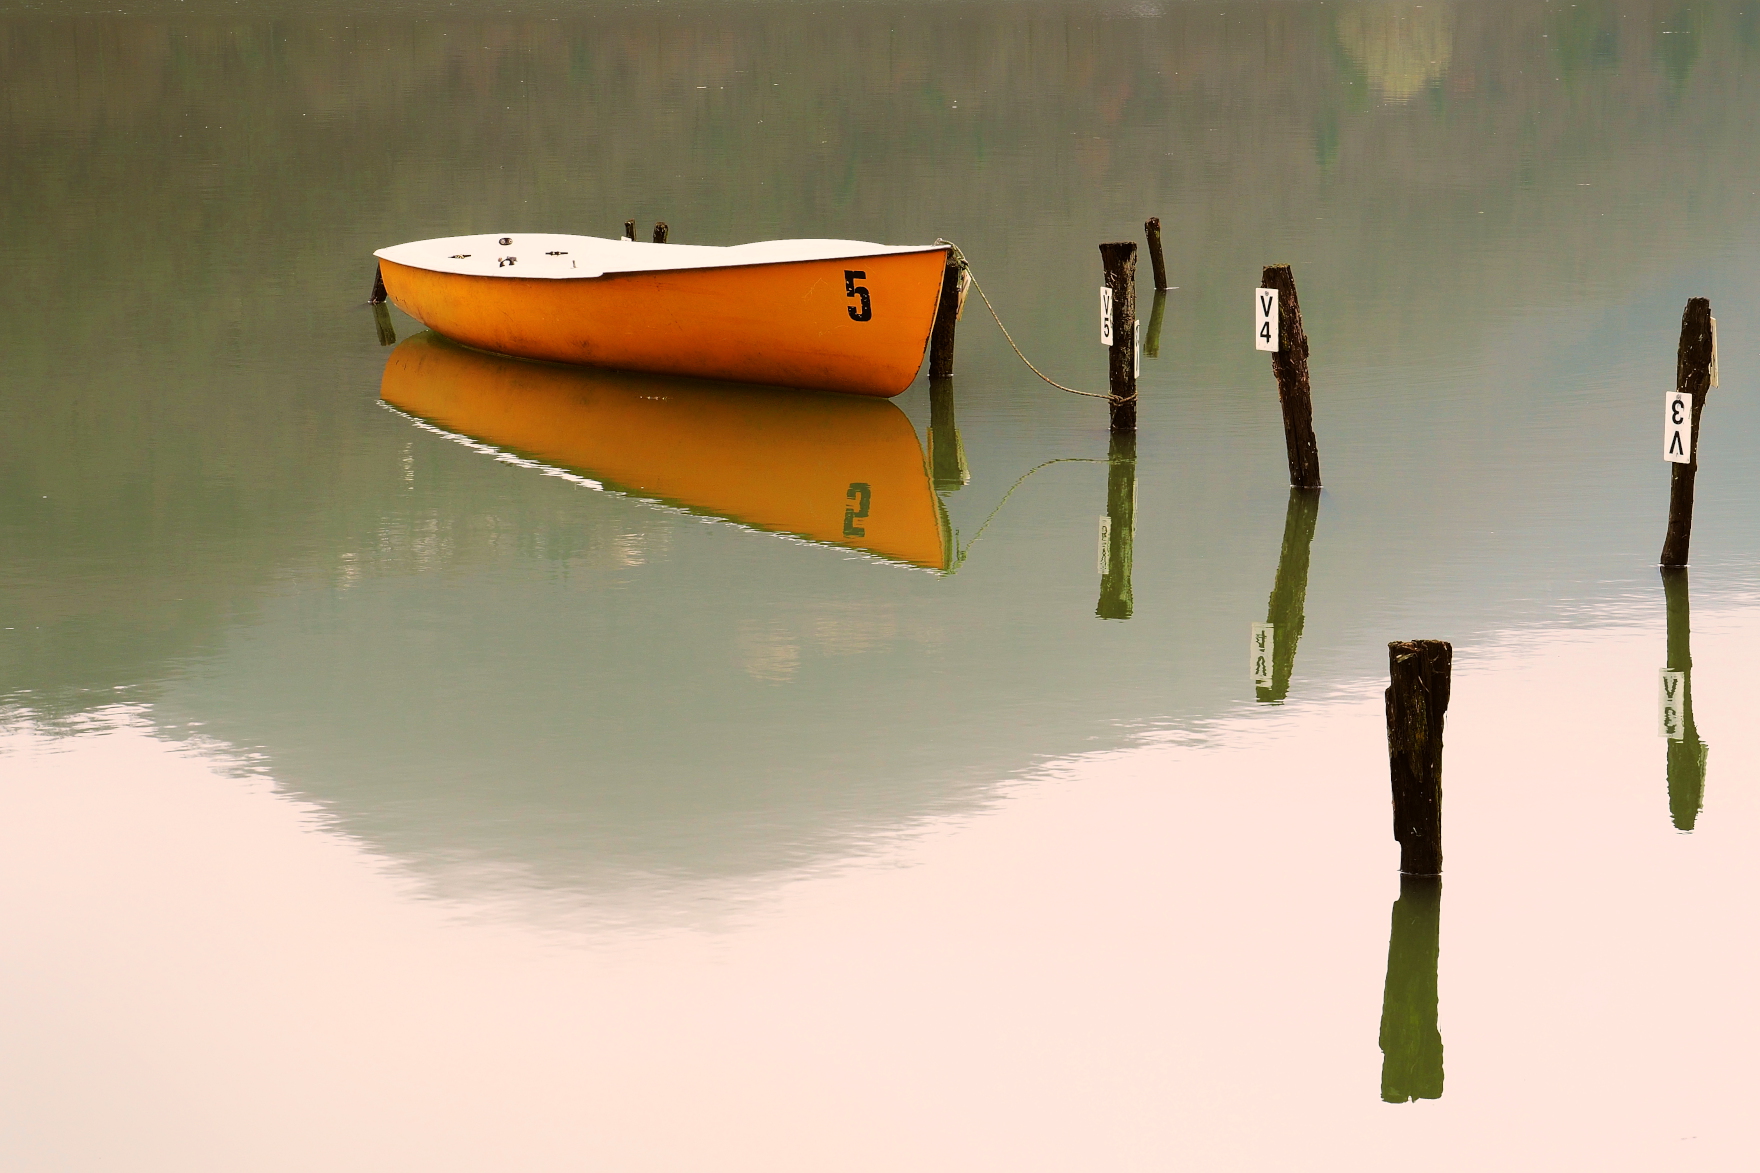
(1265, 329)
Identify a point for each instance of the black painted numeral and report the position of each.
(851, 289)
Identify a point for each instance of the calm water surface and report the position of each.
(391, 778)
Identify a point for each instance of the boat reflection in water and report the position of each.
(840, 470)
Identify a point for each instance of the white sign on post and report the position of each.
(1673, 700)
(1264, 650)
(1265, 331)
(1105, 315)
(1137, 349)
(1677, 428)
(1714, 352)
(1105, 542)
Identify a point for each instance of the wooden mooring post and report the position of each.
(1694, 364)
(661, 232)
(629, 229)
(1417, 701)
(946, 318)
(1289, 362)
(1119, 260)
(1152, 229)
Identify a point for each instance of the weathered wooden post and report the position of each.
(661, 232)
(1152, 338)
(1152, 229)
(1693, 365)
(629, 229)
(1119, 296)
(1282, 629)
(1686, 753)
(947, 454)
(1411, 1045)
(946, 317)
(1289, 362)
(1118, 529)
(1417, 701)
(377, 297)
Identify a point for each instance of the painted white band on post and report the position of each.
(1677, 428)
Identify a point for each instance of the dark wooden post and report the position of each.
(1152, 229)
(629, 229)
(661, 232)
(1121, 517)
(1692, 376)
(1411, 1045)
(377, 297)
(1289, 362)
(1417, 701)
(946, 319)
(947, 455)
(1120, 262)
(1152, 337)
(1686, 753)
(1289, 590)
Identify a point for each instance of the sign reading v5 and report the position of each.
(851, 289)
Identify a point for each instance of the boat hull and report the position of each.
(793, 323)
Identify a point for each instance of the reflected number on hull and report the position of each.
(858, 496)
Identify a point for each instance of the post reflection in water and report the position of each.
(1152, 340)
(840, 470)
(1282, 628)
(1686, 753)
(1411, 1045)
(382, 322)
(947, 452)
(1120, 528)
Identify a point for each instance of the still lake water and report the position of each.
(372, 797)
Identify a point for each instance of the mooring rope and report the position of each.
(965, 267)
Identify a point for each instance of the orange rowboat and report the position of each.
(829, 468)
(835, 315)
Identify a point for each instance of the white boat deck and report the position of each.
(558, 256)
